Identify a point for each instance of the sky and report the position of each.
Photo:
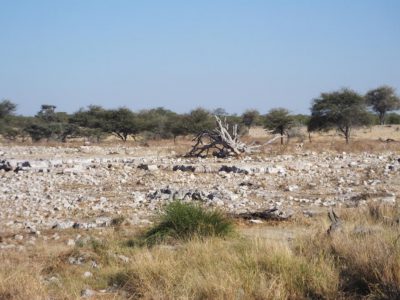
(234, 54)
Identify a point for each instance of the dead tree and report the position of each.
(221, 141)
(272, 214)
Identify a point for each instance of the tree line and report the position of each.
(344, 110)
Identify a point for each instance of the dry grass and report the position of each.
(369, 139)
(226, 269)
(360, 261)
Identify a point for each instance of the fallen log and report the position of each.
(272, 214)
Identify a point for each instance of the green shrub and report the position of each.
(185, 220)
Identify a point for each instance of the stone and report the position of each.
(88, 293)
(233, 169)
(123, 258)
(147, 167)
(87, 274)
(5, 165)
(292, 188)
(184, 168)
(76, 261)
(255, 221)
(18, 237)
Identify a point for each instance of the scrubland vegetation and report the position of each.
(342, 110)
(361, 260)
(193, 252)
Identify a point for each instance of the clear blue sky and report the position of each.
(185, 54)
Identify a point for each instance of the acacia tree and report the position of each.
(7, 108)
(47, 113)
(343, 110)
(279, 120)
(121, 122)
(157, 122)
(90, 121)
(177, 126)
(250, 117)
(199, 120)
(382, 100)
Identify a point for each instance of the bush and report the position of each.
(185, 220)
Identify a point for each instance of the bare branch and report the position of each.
(224, 143)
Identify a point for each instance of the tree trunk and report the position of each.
(347, 135)
(382, 118)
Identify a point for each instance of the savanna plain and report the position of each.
(133, 220)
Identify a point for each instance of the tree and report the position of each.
(199, 120)
(250, 117)
(382, 100)
(50, 124)
(92, 117)
(343, 110)
(156, 122)
(121, 122)
(38, 131)
(176, 126)
(301, 119)
(279, 121)
(47, 113)
(393, 118)
(7, 108)
(220, 112)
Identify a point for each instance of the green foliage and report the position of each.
(38, 131)
(220, 112)
(279, 120)
(90, 122)
(382, 100)
(47, 113)
(393, 118)
(176, 126)
(7, 108)
(301, 119)
(185, 220)
(199, 120)
(121, 122)
(91, 118)
(343, 110)
(95, 121)
(50, 125)
(158, 123)
(251, 117)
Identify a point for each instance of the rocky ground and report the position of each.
(44, 188)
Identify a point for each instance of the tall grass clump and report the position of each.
(182, 221)
(215, 268)
(366, 256)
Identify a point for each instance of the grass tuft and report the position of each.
(182, 221)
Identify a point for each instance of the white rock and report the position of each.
(255, 221)
(87, 274)
(18, 237)
(124, 258)
(292, 188)
(88, 293)
(152, 168)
